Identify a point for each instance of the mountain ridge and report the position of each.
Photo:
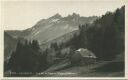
(55, 26)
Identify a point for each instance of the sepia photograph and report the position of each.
(63, 38)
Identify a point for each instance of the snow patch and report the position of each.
(55, 20)
(36, 33)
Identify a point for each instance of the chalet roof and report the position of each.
(86, 53)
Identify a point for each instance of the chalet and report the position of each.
(83, 56)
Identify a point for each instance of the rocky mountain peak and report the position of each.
(56, 16)
(74, 15)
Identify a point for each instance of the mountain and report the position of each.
(49, 29)
(9, 45)
(54, 29)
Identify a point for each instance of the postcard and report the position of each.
(63, 39)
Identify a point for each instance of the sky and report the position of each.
(20, 15)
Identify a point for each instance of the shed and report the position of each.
(83, 56)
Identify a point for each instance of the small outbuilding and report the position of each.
(83, 57)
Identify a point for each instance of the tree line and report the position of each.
(104, 37)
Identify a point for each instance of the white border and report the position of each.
(63, 78)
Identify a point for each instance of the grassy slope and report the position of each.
(91, 70)
(113, 68)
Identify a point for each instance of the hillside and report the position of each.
(60, 40)
(9, 45)
(105, 37)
